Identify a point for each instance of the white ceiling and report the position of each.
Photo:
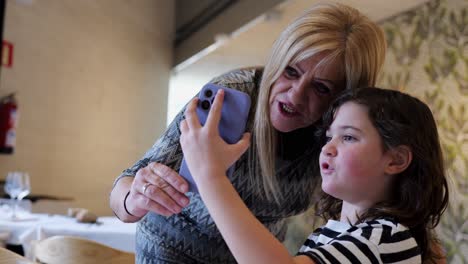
(250, 44)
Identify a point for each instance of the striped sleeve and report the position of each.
(379, 241)
(397, 244)
(344, 249)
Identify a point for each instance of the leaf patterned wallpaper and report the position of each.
(428, 57)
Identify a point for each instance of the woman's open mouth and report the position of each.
(287, 110)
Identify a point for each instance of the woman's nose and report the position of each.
(297, 92)
(329, 149)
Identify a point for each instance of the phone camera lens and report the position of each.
(208, 93)
(205, 104)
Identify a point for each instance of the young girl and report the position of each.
(382, 177)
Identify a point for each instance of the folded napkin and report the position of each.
(82, 215)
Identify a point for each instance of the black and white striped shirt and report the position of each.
(377, 241)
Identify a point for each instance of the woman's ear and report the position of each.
(400, 159)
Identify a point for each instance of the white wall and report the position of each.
(92, 81)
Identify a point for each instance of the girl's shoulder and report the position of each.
(383, 231)
(394, 241)
(381, 239)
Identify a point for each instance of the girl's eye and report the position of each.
(322, 88)
(349, 138)
(328, 138)
(290, 72)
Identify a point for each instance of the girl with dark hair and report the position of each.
(383, 182)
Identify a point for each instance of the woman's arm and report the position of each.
(208, 157)
(165, 189)
(164, 194)
(117, 197)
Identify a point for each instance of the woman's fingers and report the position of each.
(157, 197)
(171, 181)
(160, 189)
(215, 112)
(146, 204)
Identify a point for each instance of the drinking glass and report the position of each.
(17, 186)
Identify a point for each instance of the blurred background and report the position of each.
(97, 81)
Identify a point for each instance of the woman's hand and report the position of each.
(205, 152)
(157, 188)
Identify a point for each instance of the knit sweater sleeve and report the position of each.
(167, 149)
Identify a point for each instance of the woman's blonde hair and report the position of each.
(343, 34)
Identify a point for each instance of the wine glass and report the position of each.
(17, 186)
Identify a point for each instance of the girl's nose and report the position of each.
(329, 149)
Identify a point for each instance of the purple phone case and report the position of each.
(234, 114)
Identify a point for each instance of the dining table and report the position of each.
(30, 227)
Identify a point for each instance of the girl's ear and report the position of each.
(400, 159)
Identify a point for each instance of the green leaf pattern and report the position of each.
(428, 58)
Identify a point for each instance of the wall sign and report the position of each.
(7, 54)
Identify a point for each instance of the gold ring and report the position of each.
(145, 187)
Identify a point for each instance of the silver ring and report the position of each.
(145, 187)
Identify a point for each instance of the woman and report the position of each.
(330, 48)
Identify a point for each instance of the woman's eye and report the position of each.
(290, 72)
(322, 88)
(328, 138)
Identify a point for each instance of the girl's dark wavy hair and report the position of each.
(420, 194)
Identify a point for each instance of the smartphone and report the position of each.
(232, 125)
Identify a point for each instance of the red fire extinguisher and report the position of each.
(8, 123)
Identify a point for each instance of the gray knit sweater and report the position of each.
(192, 236)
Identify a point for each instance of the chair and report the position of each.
(75, 250)
(4, 236)
(7, 256)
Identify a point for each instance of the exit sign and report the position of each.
(7, 54)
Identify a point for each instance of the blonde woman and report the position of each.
(330, 48)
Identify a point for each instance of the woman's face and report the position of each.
(302, 93)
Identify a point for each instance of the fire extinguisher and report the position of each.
(8, 123)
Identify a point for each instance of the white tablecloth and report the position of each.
(108, 230)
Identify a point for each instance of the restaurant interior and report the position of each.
(93, 84)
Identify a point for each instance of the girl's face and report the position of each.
(353, 162)
(302, 93)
